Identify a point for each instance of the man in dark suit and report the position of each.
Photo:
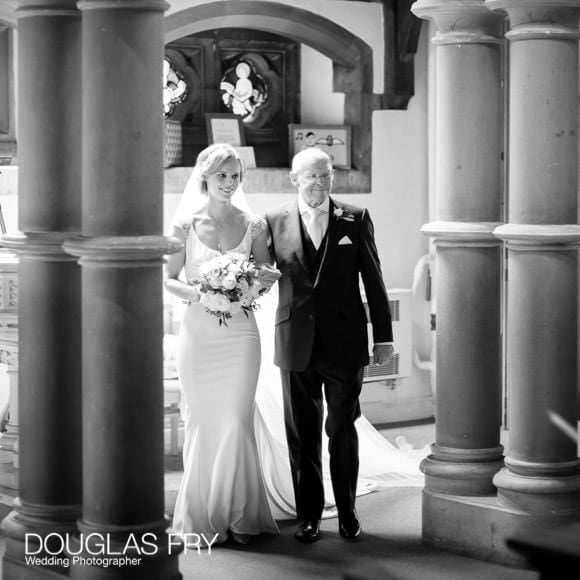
(321, 247)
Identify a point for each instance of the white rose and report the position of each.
(221, 303)
(229, 282)
(215, 282)
(206, 300)
(216, 302)
(247, 301)
(222, 261)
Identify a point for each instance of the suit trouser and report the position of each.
(303, 413)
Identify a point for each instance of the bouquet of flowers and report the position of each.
(229, 284)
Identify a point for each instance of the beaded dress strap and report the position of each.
(258, 226)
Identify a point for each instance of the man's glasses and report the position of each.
(318, 177)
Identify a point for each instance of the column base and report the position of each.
(15, 570)
(23, 527)
(160, 568)
(471, 473)
(537, 494)
(124, 552)
(479, 527)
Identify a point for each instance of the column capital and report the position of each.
(460, 21)
(142, 5)
(27, 8)
(539, 236)
(127, 251)
(7, 12)
(462, 233)
(531, 19)
(39, 246)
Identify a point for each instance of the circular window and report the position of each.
(251, 89)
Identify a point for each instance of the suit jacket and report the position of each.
(324, 308)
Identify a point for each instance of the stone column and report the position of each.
(542, 476)
(467, 451)
(48, 64)
(121, 254)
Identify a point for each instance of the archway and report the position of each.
(351, 57)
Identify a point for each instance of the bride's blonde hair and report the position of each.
(212, 158)
(195, 193)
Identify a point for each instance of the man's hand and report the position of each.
(382, 354)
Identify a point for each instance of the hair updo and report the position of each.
(212, 158)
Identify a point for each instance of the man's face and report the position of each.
(313, 180)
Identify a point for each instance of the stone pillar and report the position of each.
(467, 143)
(467, 451)
(542, 472)
(121, 254)
(48, 64)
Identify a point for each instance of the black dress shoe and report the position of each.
(349, 526)
(308, 531)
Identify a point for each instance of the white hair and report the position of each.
(309, 155)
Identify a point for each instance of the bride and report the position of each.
(237, 479)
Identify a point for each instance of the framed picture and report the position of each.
(225, 128)
(248, 156)
(334, 139)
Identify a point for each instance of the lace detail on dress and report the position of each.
(183, 224)
(258, 226)
(186, 227)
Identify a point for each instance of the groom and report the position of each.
(321, 246)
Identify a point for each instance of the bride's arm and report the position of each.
(173, 267)
(261, 254)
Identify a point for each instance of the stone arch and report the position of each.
(351, 57)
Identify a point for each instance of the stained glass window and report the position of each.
(243, 90)
(175, 89)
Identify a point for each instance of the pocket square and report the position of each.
(344, 241)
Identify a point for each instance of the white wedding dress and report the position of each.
(222, 490)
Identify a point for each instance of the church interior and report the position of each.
(454, 122)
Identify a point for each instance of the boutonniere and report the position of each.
(341, 214)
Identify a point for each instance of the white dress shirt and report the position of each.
(310, 214)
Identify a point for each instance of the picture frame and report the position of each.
(334, 139)
(225, 128)
(248, 156)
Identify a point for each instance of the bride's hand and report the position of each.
(268, 276)
(193, 293)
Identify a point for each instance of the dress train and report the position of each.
(382, 464)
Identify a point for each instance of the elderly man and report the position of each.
(322, 247)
